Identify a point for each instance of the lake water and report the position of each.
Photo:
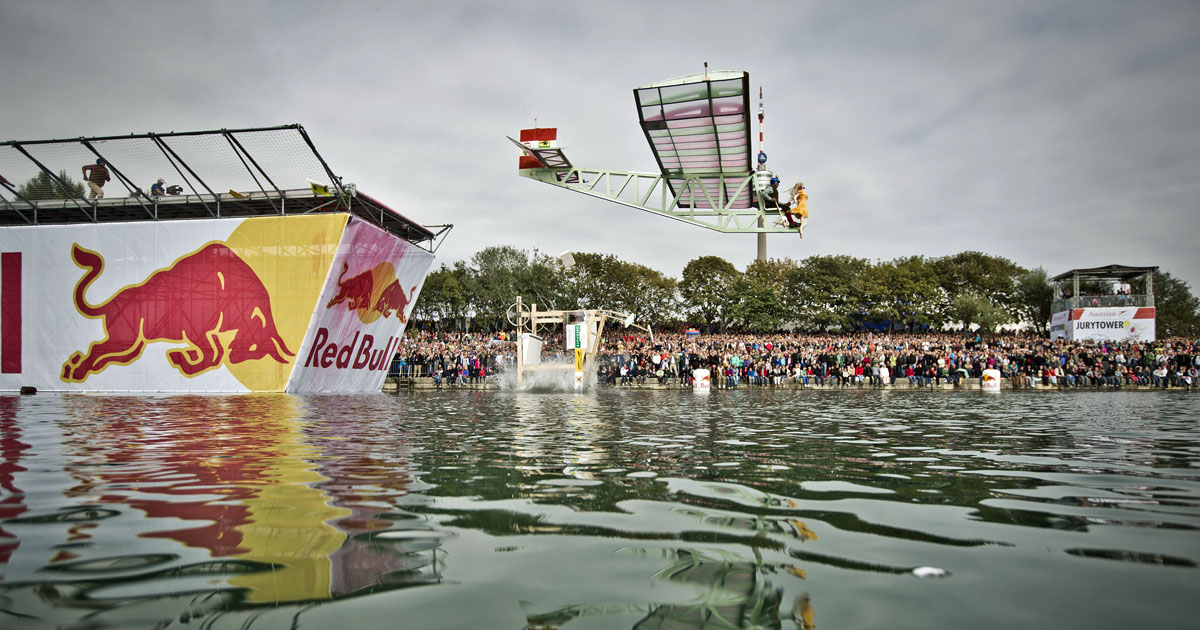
(614, 509)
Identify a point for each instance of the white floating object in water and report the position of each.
(701, 381)
(570, 482)
(412, 534)
(924, 572)
(990, 381)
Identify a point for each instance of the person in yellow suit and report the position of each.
(798, 216)
(796, 212)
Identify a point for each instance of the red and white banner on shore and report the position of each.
(1104, 324)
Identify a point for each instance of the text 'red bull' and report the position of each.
(201, 300)
(358, 354)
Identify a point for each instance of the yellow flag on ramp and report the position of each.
(319, 189)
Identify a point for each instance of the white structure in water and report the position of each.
(582, 330)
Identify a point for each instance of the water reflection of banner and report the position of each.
(238, 464)
(11, 450)
(365, 477)
(289, 519)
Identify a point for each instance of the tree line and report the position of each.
(818, 293)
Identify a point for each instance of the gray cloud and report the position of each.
(1059, 135)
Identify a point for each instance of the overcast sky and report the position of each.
(1056, 134)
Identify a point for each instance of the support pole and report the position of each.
(762, 236)
(762, 242)
(520, 346)
(589, 358)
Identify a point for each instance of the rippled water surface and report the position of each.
(619, 509)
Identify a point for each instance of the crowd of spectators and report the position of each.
(844, 359)
(452, 358)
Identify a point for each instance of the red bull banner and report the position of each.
(362, 312)
(221, 305)
(1058, 324)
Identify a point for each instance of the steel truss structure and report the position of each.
(218, 173)
(646, 191)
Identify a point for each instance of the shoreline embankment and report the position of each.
(394, 384)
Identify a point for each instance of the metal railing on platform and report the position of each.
(406, 374)
(1101, 301)
(183, 175)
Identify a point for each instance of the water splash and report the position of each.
(547, 381)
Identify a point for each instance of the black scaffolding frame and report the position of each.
(273, 193)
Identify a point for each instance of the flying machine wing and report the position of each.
(545, 154)
(699, 128)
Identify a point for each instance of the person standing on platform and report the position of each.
(96, 175)
(156, 189)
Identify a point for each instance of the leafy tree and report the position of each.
(973, 309)
(544, 283)
(772, 272)
(42, 186)
(1177, 311)
(596, 281)
(904, 292)
(603, 281)
(706, 288)
(755, 305)
(497, 272)
(445, 294)
(656, 302)
(820, 292)
(979, 274)
(1035, 299)
(826, 291)
(756, 298)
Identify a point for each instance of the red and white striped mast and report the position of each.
(762, 166)
(761, 115)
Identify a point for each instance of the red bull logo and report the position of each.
(209, 299)
(988, 378)
(374, 293)
(355, 292)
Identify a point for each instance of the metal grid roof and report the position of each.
(218, 173)
(1109, 272)
(699, 127)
